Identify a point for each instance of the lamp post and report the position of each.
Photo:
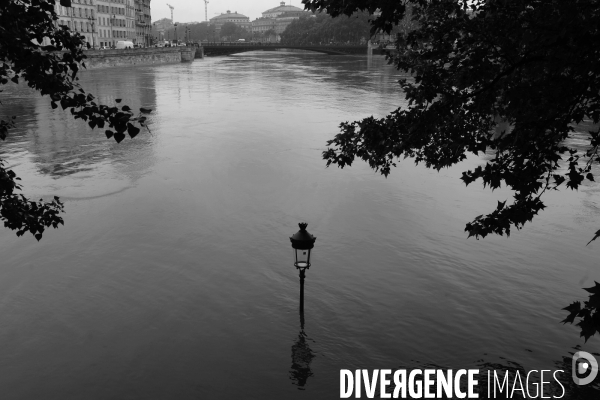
(302, 243)
(92, 23)
(72, 23)
(176, 37)
(112, 40)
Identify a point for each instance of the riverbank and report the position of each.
(97, 59)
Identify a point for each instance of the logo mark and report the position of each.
(584, 363)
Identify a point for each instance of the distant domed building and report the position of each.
(238, 19)
(277, 19)
(282, 8)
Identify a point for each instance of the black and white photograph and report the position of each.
(299, 200)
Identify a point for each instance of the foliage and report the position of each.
(269, 34)
(197, 32)
(589, 315)
(324, 29)
(231, 31)
(52, 70)
(506, 77)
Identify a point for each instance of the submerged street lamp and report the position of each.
(302, 242)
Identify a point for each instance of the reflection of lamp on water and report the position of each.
(302, 355)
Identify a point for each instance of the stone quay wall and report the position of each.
(147, 56)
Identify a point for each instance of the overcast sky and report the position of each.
(193, 10)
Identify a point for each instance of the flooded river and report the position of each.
(173, 276)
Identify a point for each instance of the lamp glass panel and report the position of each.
(302, 258)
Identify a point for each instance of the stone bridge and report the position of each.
(223, 49)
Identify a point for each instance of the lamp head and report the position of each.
(302, 242)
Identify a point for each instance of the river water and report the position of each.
(173, 276)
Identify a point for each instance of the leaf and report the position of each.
(594, 301)
(118, 100)
(119, 137)
(595, 237)
(590, 176)
(53, 104)
(595, 289)
(65, 3)
(573, 309)
(588, 328)
(38, 236)
(145, 110)
(132, 130)
(126, 108)
(109, 134)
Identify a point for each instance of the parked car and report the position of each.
(124, 44)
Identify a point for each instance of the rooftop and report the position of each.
(283, 8)
(230, 14)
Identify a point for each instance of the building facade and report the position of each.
(283, 20)
(143, 23)
(80, 18)
(115, 21)
(238, 19)
(276, 19)
(262, 25)
(101, 22)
